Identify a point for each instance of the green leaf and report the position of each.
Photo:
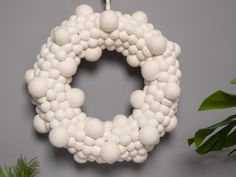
(2, 174)
(231, 139)
(205, 142)
(218, 100)
(23, 168)
(233, 81)
(190, 141)
(226, 121)
(215, 142)
(200, 136)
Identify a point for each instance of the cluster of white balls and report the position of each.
(85, 35)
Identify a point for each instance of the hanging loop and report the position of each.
(108, 5)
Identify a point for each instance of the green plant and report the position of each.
(222, 134)
(23, 168)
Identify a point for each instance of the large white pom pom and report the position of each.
(109, 21)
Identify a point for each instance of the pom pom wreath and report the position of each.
(58, 105)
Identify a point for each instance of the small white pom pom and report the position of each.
(61, 36)
(83, 10)
(40, 125)
(125, 140)
(172, 91)
(59, 137)
(94, 128)
(93, 54)
(120, 121)
(140, 17)
(133, 61)
(172, 124)
(60, 55)
(37, 87)
(29, 75)
(140, 159)
(109, 21)
(68, 67)
(110, 152)
(148, 135)
(75, 97)
(150, 70)
(157, 44)
(137, 98)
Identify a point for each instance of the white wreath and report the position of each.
(85, 35)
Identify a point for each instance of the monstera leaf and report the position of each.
(220, 135)
(23, 168)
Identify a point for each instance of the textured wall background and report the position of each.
(206, 31)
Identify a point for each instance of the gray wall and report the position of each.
(204, 28)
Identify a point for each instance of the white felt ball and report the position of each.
(94, 128)
(93, 54)
(109, 21)
(59, 137)
(148, 135)
(110, 152)
(172, 124)
(125, 140)
(177, 49)
(137, 98)
(150, 70)
(140, 159)
(61, 36)
(39, 125)
(172, 91)
(37, 87)
(68, 67)
(157, 44)
(75, 97)
(140, 17)
(29, 75)
(60, 55)
(133, 61)
(84, 10)
(120, 121)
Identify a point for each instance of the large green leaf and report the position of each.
(231, 139)
(206, 140)
(215, 142)
(201, 135)
(218, 100)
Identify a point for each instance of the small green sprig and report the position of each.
(222, 134)
(22, 168)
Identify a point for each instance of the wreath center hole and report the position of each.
(107, 84)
